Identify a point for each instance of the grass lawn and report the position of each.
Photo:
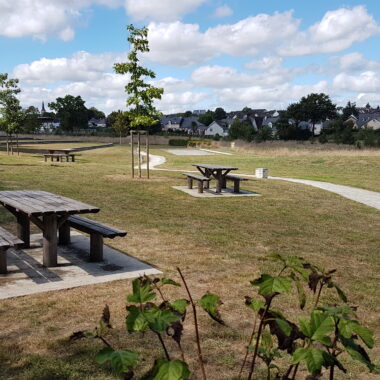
(220, 245)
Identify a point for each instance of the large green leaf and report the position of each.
(142, 292)
(318, 327)
(168, 281)
(180, 305)
(365, 334)
(173, 370)
(284, 326)
(357, 352)
(300, 291)
(313, 357)
(158, 320)
(136, 320)
(269, 285)
(121, 361)
(210, 303)
(254, 304)
(168, 370)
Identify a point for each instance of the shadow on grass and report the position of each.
(64, 361)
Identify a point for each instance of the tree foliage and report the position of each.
(219, 114)
(71, 111)
(313, 108)
(11, 115)
(141, 95)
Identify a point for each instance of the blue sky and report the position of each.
(206, 53)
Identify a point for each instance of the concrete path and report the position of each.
(26, 274)
(369, 198)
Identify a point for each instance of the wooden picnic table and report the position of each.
(49, 212)
(219, 172)
(57, 153)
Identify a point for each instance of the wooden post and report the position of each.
(3, 261)
(96, 247)
(189, 183)
(200, 186)
(219, 182)
(139, 152)
(147, 154)
(133, 157)
(23, 230)
(64, 234)
(50, 240)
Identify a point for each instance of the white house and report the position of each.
(217, 127)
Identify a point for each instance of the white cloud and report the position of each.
(265, 63)
(162, 10)
(355, 62)
(182, 44)
(223, 11)
(228, 77)
(337, 31)
(275, 97)
(81, 66)
(42, 18)
(253, 34)
(178, 44)
(368, 81)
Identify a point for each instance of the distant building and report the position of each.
(97, 123)
(48, 123)
(217, 128)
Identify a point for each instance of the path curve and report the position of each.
(367, 197)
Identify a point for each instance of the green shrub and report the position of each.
(177, 142)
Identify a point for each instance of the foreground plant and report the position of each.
(316, 340)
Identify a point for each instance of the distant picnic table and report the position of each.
(219, 172)
(59, 154)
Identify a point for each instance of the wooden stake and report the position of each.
(133, 157)
(147, 153)
(139, 152)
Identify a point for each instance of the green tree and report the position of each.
(71, 111)
(141, 95)
(95, 113)
(219, 114)
(241, 130)
(349, 110)
(120, 123)
(313, 108)
(11, 115)
(31, 123)
(207, 118)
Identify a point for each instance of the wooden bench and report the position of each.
(96, 230)
(7, 240)
(201, 180)
(236, 181)
(59, 156)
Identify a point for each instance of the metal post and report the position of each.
(133, 157)
(147, 153)
(139, 152)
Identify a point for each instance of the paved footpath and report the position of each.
(369, 198)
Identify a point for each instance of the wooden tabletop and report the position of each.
(215, 167)
(36, 202)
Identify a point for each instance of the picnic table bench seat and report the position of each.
(97, 232)
(59, 156)
(236, 179)
(7, 240)
(201, 181)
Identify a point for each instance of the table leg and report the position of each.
(64, 234)
(50, 240)
(3, 261)
(219, 182)
(23, 230)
